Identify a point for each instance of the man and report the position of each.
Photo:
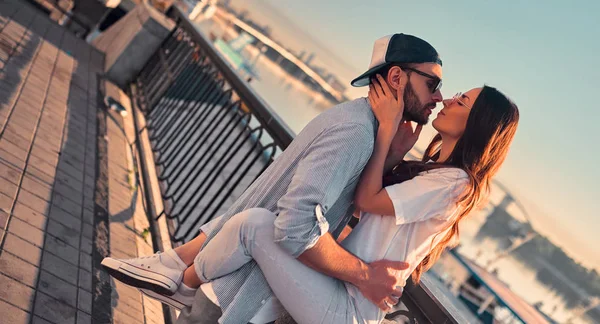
(310, 188)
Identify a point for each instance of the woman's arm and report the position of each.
(390, 162)
(393, 132)
(370, 195)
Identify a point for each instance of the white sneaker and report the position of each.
(160, 272)
(177, 300)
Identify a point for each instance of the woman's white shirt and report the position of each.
(423, 207)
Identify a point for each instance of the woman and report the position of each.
(411, 214)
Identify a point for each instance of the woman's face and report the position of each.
(452, 119)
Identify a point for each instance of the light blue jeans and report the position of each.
(309, 296)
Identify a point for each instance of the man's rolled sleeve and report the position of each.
(296, 245)
(335, 158)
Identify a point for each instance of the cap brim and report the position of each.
(365, 78)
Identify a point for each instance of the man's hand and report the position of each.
(383, 285)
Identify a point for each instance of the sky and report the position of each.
(543, 55)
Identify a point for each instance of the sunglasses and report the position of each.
(437, 85)
(458, 98)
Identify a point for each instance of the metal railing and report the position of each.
(212, 135)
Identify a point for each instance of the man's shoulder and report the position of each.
(359, 107)
(354, 112)
(348, 121)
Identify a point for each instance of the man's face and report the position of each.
(419, 100)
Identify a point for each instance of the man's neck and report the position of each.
(375, 121)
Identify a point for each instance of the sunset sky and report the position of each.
(545, 57)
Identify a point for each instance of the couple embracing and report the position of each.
(278, 247)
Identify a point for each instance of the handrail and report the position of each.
(281, 133)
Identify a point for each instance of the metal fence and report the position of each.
(212, 135)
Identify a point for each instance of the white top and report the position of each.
(424, 206)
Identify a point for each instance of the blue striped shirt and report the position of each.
(321, 166)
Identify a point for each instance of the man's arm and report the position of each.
(377, 281)
(329, 258)
(334, 158)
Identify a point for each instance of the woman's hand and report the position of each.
(404, 140)
(370, 195)
(387, 109)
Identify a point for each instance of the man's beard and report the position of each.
(414, 110)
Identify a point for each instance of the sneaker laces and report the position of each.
(150, 256)
(153, 256)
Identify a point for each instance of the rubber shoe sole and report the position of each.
(164, 299)
(139, 277)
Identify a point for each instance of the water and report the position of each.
(296, 104)
(520, 278)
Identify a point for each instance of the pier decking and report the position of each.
(58, 191)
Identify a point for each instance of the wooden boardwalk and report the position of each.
(55, 184)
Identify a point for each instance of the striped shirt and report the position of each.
(321, 166)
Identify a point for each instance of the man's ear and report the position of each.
(393, 77)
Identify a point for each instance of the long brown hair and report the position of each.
(480, 152)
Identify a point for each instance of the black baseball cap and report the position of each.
(397, 48)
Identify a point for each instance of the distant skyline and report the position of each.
(306, 55)
(542, 56)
